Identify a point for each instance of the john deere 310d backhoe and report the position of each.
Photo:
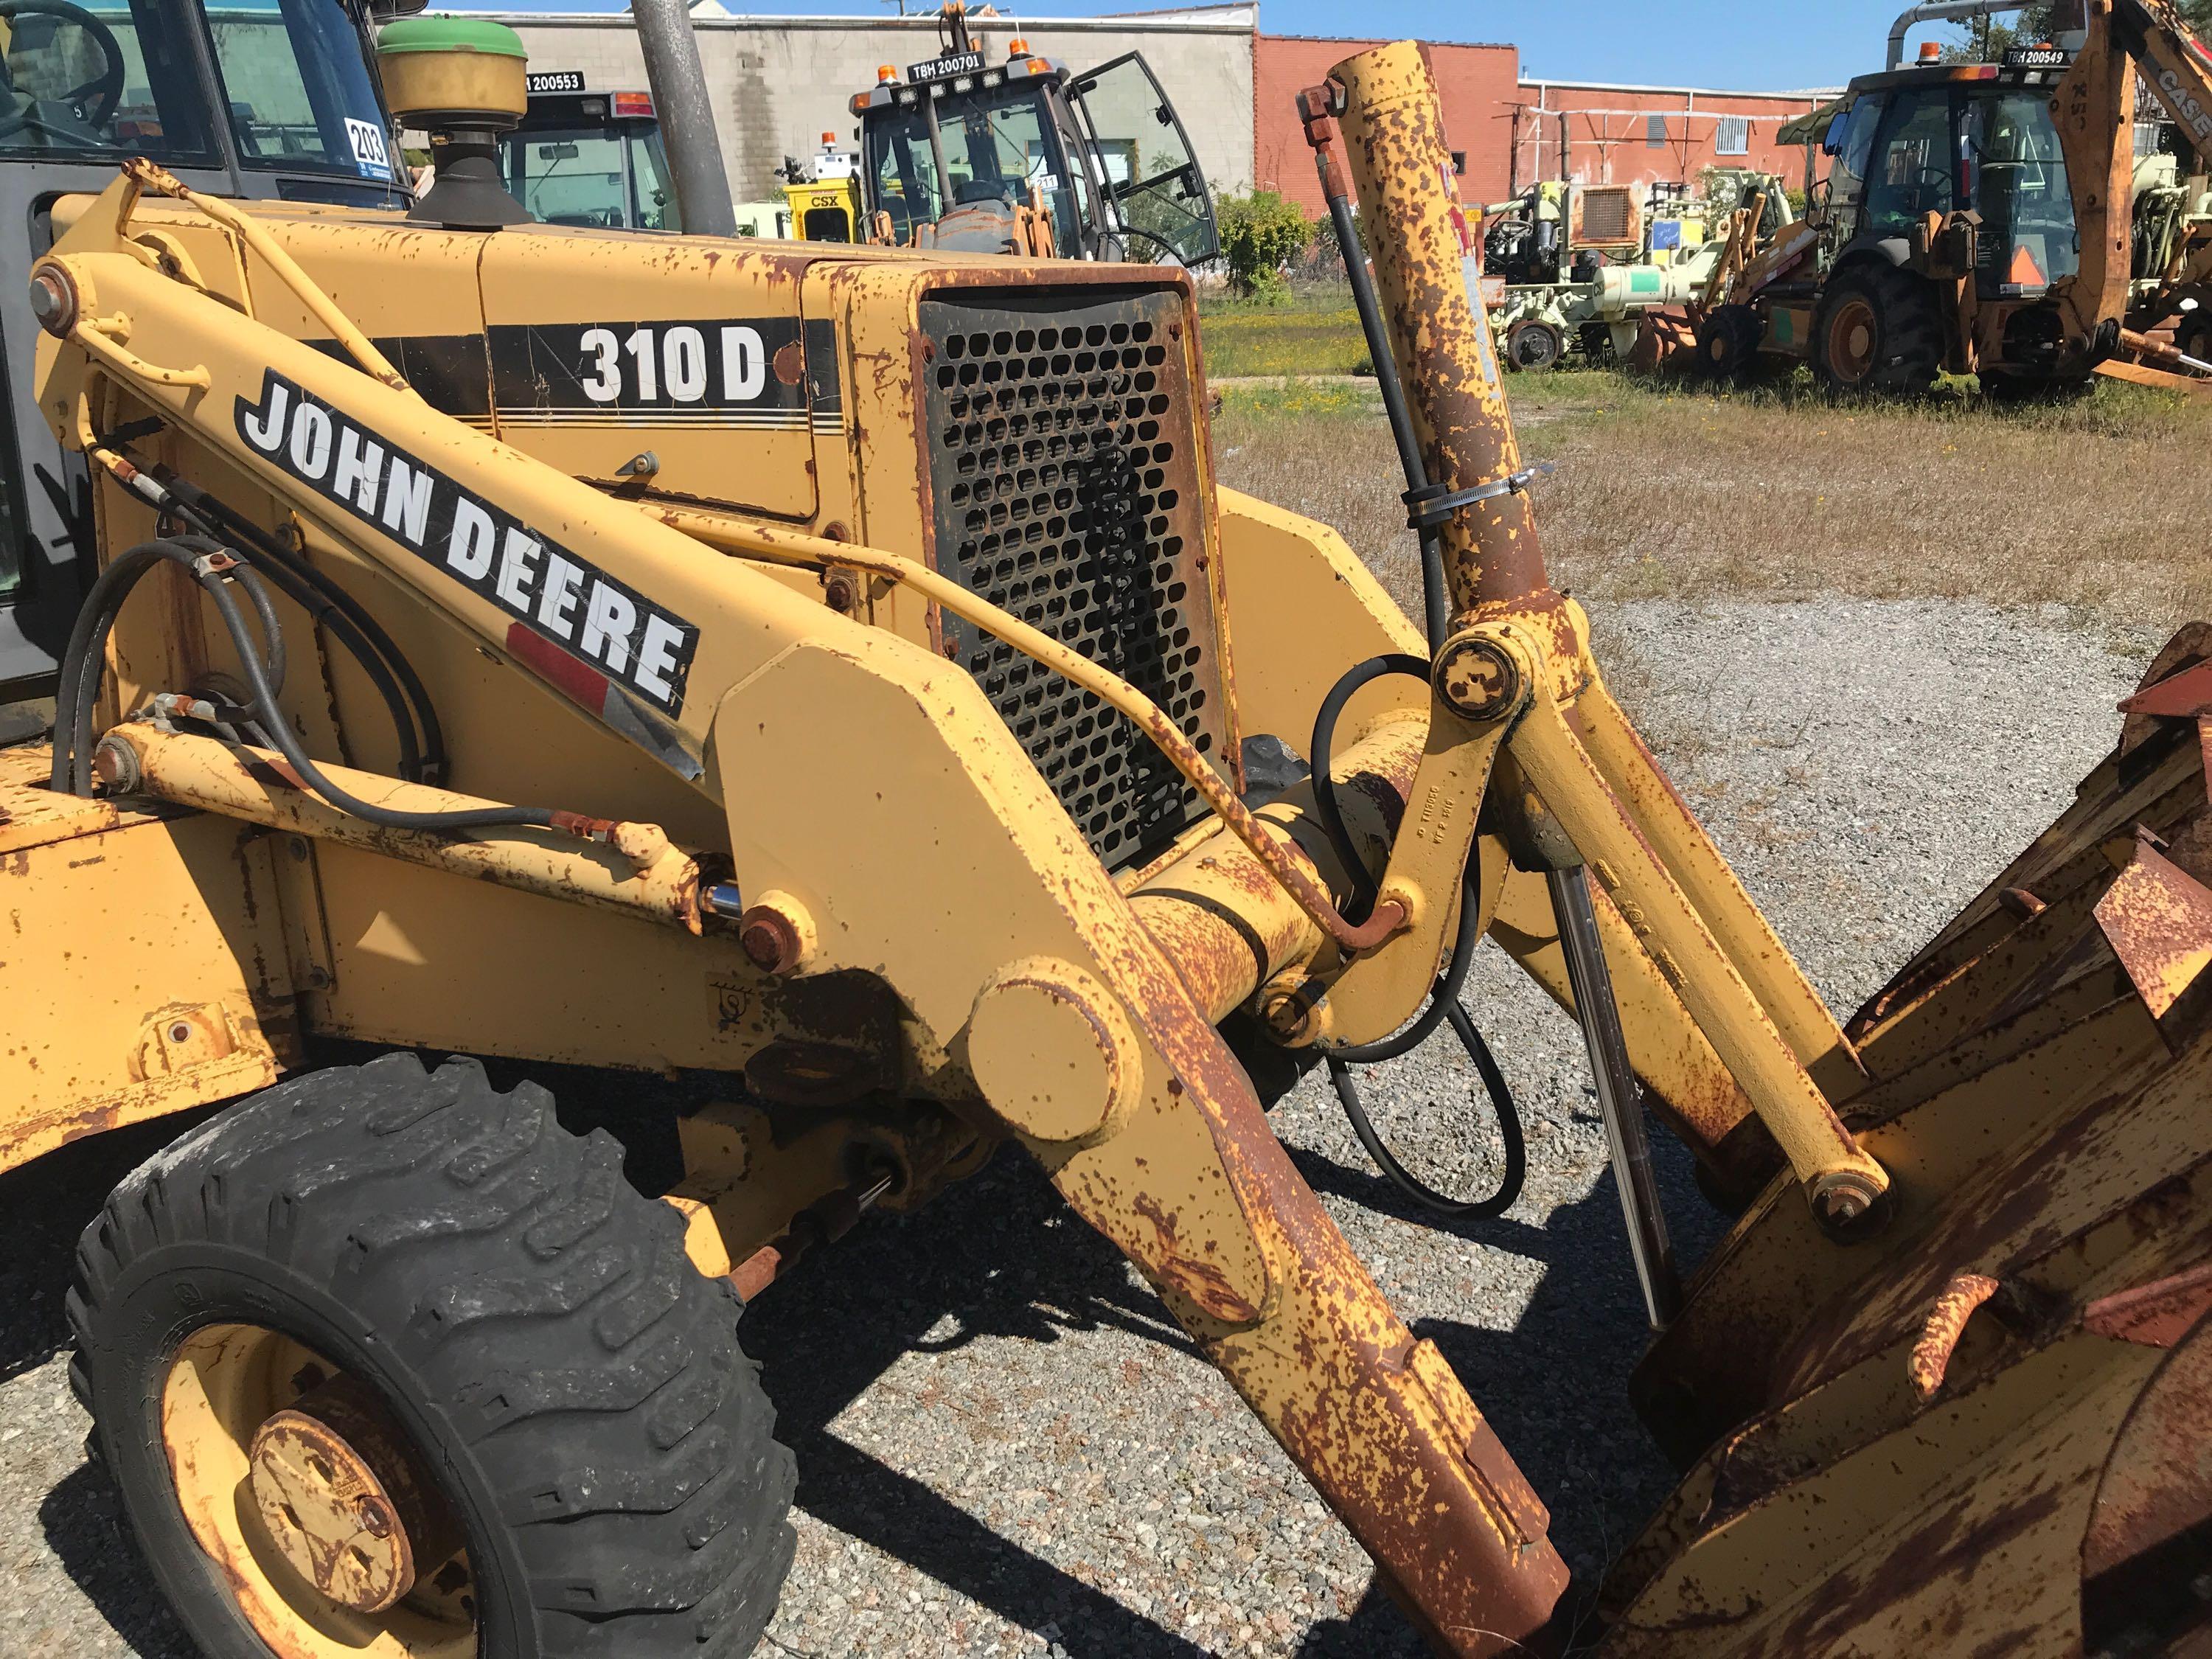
(827, 673)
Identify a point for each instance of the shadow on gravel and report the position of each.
(43, 1207)
(1001, 1256)
(85, 1529)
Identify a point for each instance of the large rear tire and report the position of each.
(500, 1345)
(1877, 331)
(1728, 345)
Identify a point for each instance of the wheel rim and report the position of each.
(1534, 348)
(1853, 333)
(310, 1502)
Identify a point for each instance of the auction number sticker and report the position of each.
(369, 154)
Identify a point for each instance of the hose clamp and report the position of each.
(1433, 505)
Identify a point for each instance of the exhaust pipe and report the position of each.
(678, 82)
(1942, 11)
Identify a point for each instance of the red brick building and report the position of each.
(1480, 86)
(1627, 135)
(1506, 132)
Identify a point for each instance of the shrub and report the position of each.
(1260, 233)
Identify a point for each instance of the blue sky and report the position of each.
(1749, 44)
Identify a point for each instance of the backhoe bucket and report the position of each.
(1666, 344)
(1989, 1430)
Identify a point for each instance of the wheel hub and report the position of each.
(1851, 336)
(328, 1510)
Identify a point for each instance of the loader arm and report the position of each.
(864, 850)
(1047, 995)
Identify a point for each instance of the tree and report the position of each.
(1260, 233)
(1984, 40)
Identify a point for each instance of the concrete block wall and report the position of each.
(779, 84)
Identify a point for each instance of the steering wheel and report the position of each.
(92, 102)
(1939, 177)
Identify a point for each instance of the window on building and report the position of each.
(1733, 136)
(1459, 162)
(1655, 132)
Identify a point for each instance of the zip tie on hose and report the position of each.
(1432, 506)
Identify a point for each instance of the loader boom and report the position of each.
(812, 672)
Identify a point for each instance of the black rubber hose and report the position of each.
(1324, 743)
(272, 717)
(1510, 1179)
(1444, 996)
(329, 606)
(79, 679)
(85, 659)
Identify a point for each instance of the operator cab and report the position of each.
(255, 99)
(586, 158)
(952, 150)
(1942, 137)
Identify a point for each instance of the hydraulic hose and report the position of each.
(1510, 1179)
(355, 624)
(1443, 997)
(272, 717)
(327, 604)
(215, 568)
(83, 659)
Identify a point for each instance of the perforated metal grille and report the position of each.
(1064, 487)
(1608, 213)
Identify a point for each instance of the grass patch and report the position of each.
(1317, 333)
(1778, 493)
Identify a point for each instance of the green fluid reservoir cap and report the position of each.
(449, 35)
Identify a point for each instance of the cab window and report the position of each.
(295, 80)
(1915, 165)
(114, 78)
(904, 170)
(571, 177)
(2028, 238)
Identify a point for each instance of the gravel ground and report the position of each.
(1005, 1447)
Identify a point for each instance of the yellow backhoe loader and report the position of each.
(827, 673)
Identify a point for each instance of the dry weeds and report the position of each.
(2104, 506)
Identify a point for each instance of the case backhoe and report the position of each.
(826, 674)
(1977, 218)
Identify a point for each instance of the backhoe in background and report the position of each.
(1975, 219)
(824, 677)
(1021, 156)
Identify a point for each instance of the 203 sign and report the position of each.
(654, 364)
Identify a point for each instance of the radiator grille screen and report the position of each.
(1064, 488)
(1607, 214)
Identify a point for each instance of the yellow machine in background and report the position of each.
(826, 674)
(826, 209)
